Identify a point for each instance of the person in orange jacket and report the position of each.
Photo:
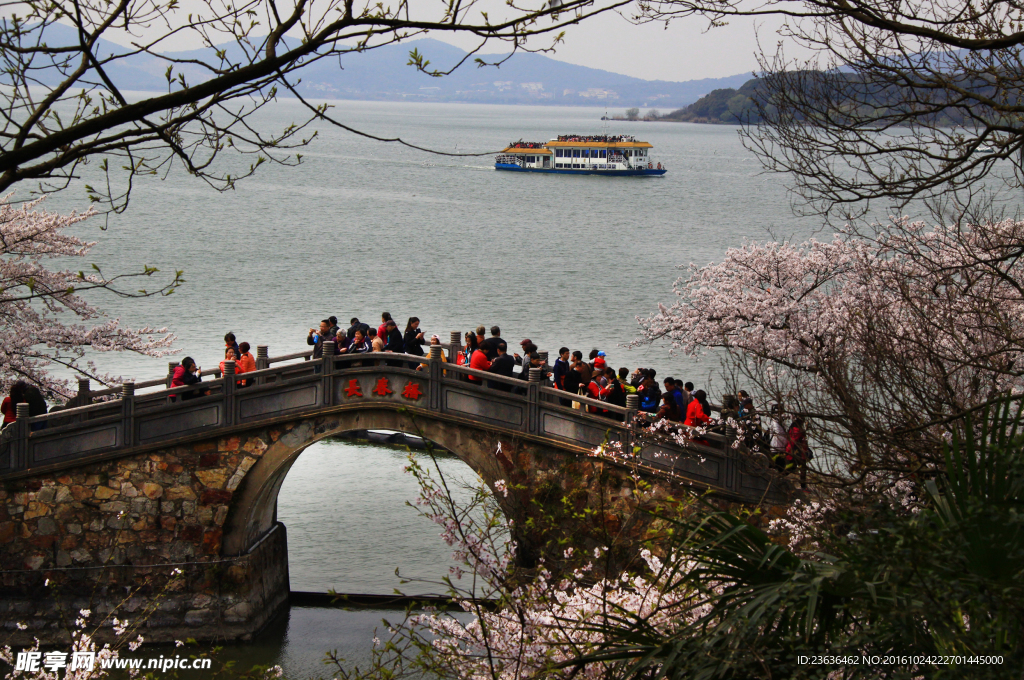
(245, 364)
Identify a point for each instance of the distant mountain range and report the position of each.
(383, 74)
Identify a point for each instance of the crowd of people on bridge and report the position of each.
(591, 384)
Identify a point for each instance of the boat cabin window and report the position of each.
(558, 153)
(575, 153)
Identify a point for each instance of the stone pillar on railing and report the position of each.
(543, 357)
(455, 346)
(632, 406)
(228, 378)
(84, 397)
(262, 361)
(327, 373)
(436, 372)
(22, 415)
(128, 413)
(533, 401)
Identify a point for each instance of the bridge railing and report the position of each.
(294, 385)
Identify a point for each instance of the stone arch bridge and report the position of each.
(165, 509)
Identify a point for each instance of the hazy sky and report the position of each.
(683, 51)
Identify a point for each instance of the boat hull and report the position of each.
(576, 171)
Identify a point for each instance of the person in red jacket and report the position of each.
(479, 362)
(797, 450)
(695, 416)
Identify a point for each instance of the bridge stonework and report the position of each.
(183, 537)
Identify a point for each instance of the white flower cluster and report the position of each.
(34, 300)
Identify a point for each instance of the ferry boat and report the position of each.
(618, 155)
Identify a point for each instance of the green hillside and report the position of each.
(727, 105)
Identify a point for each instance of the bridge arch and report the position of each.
(253, 511)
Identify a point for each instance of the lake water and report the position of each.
(362, 227)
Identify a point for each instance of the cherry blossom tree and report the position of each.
(882, 342)
(47, 323)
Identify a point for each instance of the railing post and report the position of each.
(632, 406)
(456, 345)
(228, 377)
(128, 413)
(327, 380)
(21, 434)
(84, 397)
(262, 361)
(436, 372)
(533, 401)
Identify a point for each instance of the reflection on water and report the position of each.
(299, 640)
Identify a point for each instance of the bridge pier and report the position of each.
(141, 539)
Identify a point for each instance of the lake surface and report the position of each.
(362, 227)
